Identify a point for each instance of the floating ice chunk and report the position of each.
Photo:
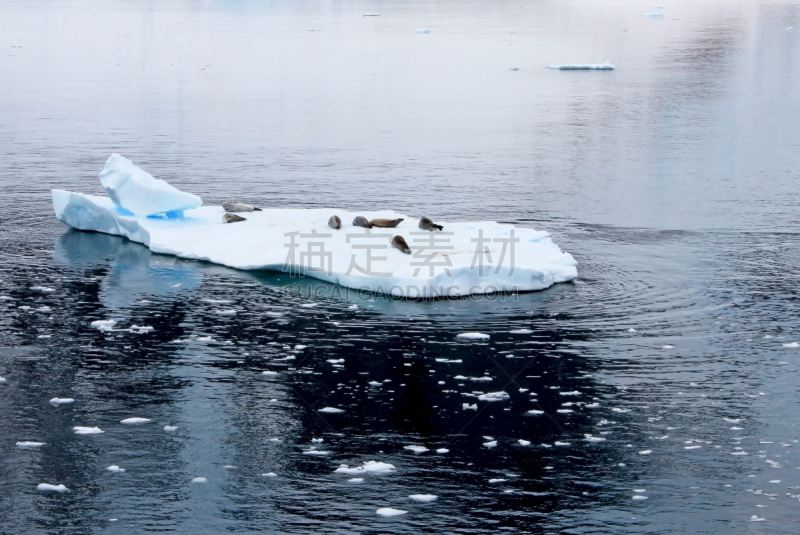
(590, 438)
(494, 396)
(534, 412)
(480, 379)
(52, 488)
(331, 410)
(375, 383)
(587, 67)
(134, 421)
(370, 467)
(2, 380)
(87, 430)
(104, 325)
(442, 450)
(738, 453)
(25, 444)
(416, 449)
(792, 345)
(692, 447)
(356, 480)
(592, 405)
(631, 330)
(755, 518)
(521, 331)
(572, 393)
(200, 480)
(424, 498)
(617, 409)
(317, 440)
(776, 481)
(473, 336)
(639, 497)
(388, 511)
(496, 480)
(557, 443)
(789, 29)
(299, 347)
(225, 312)
(269, 474)
(115, 468)
(668, 347)
(268, 372)
(170, 428)
(309, 305)
(144, 329)
(55, 402)
(137, 192)
(468, 407)
(490, 444)
(645, 452)
(454, 361)
(564, 411)
(523, 442)
(43, 289)
(315, 452)
(733, 420)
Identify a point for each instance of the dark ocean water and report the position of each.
(672, 180)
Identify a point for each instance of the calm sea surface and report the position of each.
(664, 380)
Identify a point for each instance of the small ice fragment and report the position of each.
(104, 325)
(424, 498)
(388, 511)
(268, 372)
(352, 307)
(524, 442)
(331, 410)
(225, 312)
(738, 453)
(573, 393)
(199, 480)
(49, 487)
(473, 336)
(480, 379)
(755, 518)
(442, 450)
(534, 412)
(134, 421)
(315, 452)
(490, 444)
(557, 443)
(61, 401)
(299, 347)
(115, 468)
(423, 30)
(87, 430)
(789, 29)
(733, 420)
(590, 438)
(456, 361)
(639, 497)
(269, 474)
(170, 428)
(317, 440)
(2, 380)
(564, 411)
(356, 480)
(791, 345)
(136, 329)
(43, 289)
(775, 481)
(631, 330)
(309, 305)
(375, 383)
(497, 480)
(617, 409)
(640, 491)
(645, 452)
(668, 347)
(29, 444)
(416, 449)
(375, 467)
(521, 331)
(493, 396)
(692, 447)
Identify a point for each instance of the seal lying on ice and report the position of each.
(401, 244)
(335, 222)
(427, 224)
(229, 206)
(385, 223)
(232, 218)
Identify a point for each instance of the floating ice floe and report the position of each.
(26, 444)
(226, 312)
(584, 67)
(331, 410)
(115, 468)
(478, 257)
(268, 372)
(61, 401)
(143, 329)
(2, 380)
(645, 452)
(756, 518)
(356, 480)
(521, 331)
(558, 443)
(416, 449)
(590, 438)
(454, 361)
(524, 442)
(791, 345)
(87, 430)
(43, 289)
(534, 412)
(639, 497)
(52, 488)
(631, 330)
(104, 325)
(316, 452)
(200, 480)
(468, 407)
(369, 467)
(496, 480)
(269, 474)
(668, 347)
(423, 30)
(493, 396)
(388, 511)
(317, 441)
(134, 421)
(442, 450)
(424, 498)
(473, 336)
(170, 428)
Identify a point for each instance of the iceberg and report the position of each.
(135, 191)
(465, 258)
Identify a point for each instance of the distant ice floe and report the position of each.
(26, 444)
(756, 518)
(388, 511)
(490, 444)
(87, 430)
(2, 380)
(497, 480)
(199, 480)
(668, 347)
(524, 442)
(473, 336)
(645, 452)
(416, 449)
(521, 331)
(369, 467)
(424, 498)
(268, 372)
(115, 468)
(135, 421)
(43, 289)
(331, 410)
(494, 396)
(590, 438)
(454, 361)
(584, 67)
(316, 452)
(61, 401)
(170, 428)
(791, 345)
(442, 450)
(356, 480)
(104, 325)
(52, 488)
(269, 474)
(534, 412)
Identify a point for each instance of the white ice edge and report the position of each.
(262, 242)
(584, 67)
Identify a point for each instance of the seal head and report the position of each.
(401, 244)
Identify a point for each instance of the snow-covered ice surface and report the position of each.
(464, 259)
